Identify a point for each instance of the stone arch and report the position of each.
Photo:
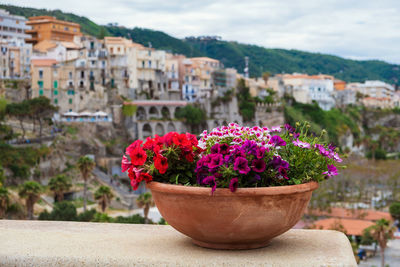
(260, 123)
(141, 114)
(224, 123)
(159, 129)
(176, 110)
(153, 112)
(165, 113)
(171, 127)
(147, 131)
(236, 122)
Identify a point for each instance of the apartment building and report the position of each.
(374, 94)
(172, 72)
(307, 88)
(14, 52)
(50, 28)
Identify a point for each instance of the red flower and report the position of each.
(138, 156)
(181, 140)
(189, 157)
(144, 176)
(192, 138)
(135, 184)
(133, 146)
(161, 163)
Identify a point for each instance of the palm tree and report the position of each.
(30, 190)
(59, 185)
(145, 201)
(104, 196)
(85, 166)
(381, 232)
(4, 199)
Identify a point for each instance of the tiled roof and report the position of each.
(43, 62)
(362, 214)
(352, 227)
(44, 46)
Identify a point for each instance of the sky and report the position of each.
(356, 29)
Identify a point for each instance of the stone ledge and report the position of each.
(42, 243)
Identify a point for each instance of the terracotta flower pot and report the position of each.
(247, 218)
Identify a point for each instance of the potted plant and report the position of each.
(235, 188)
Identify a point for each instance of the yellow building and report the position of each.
(50, 28)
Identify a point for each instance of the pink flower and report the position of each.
(332, 171)
(301, 144)
(125, 164)
(233, 184)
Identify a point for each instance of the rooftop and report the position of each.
(361, 214)
(45, 243)
(352, 227)
(43, 62)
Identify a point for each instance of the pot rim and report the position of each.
(206, 191)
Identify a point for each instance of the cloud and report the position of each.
(350, 28)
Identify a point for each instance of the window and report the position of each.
(40, 74)
(66, 28)
(149, 63)
(70, 101)
(112, 83)
(55, 92)
(71, 92)
(111, 49)
(70, 75)
(119, 49)
(82, 74)
(149, 53)
(41, 92)
(142, 64)
(92, 86)
(40, 83)
(55, 84)
(55, 101)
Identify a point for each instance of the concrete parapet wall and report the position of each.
(42, 243)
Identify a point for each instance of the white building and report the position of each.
(14, 52)
(307, 88)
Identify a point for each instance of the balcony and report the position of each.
(45, 243)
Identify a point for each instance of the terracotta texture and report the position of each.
(247, 218)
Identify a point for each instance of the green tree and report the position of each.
(4, 200)
(59, 185)
(102, 33)
(85, 166)
(103, 195)
(247, 106)
(19, 111)
(381, 232)
(193, 116)
(31, 191)
(42, 110)
(62, 211)
(145, 201)
(394, 210)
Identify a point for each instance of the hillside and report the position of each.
(232, 54)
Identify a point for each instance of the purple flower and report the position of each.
(289, 128)
(332, 171)
(233, 184)
(215, 149)
(241, 165)
(224, 149)
(260, 153)
(336, 157)
(256, 178)
(216, 161)
(301, 144)
(278, 141)
(283, 172)
(258, 165)
(331, 147)
(210, 180)
(296, 135)
(277, 162)
(322, 150)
